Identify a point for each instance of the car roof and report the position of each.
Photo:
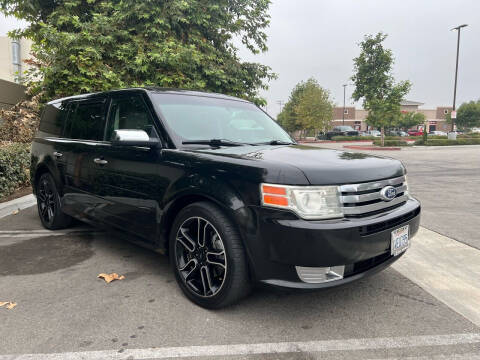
(149, 90)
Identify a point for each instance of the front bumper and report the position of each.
(283, 241)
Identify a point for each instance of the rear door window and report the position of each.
(86, 121)
(53, 118)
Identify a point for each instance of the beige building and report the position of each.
(356, 117)
(12, 65)
(12, 56)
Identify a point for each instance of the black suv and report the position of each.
(216, 184)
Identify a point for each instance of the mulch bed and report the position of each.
(18, 193)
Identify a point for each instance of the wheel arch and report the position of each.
(183, 200)
(46, 167)
(213, 190)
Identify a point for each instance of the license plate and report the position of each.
(400, 240)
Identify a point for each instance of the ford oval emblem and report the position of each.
(388, 193)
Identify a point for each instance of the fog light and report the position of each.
(316, 275)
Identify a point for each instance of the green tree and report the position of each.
(308, 108)
(93, 45)
(288, 116)
(374, 83)
(468, 115)
(410, 119)
(314, 109)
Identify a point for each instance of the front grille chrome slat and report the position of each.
(346, 199)
(352, 188)
(364, 199)
(358, 210)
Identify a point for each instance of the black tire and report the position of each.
(48, 204)
(227, 285)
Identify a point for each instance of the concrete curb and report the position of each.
(8, 207)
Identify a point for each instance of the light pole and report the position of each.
(281, 103)
(343, 115)
(458, 28)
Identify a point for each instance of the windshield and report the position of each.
(191, 118)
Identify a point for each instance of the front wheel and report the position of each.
(208, 257)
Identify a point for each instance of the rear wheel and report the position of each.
(48, 203)
(208, 257)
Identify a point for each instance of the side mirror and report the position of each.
(133, 137)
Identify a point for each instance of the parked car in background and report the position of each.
(215, 184)
(397, 133)
(415, 132)
(438, 133)
(475, 130)
(375, 133)
(341, 131)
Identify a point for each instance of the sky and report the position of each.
(319, 38)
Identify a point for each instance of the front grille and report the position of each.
(359, 200)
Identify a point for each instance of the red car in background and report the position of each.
(415, 132)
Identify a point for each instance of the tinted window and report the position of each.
(53, 117)
(129, 112)
(205, 118)
(87, 121)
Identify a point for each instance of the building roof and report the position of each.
(411, 103)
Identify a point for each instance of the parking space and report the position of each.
(64, 309)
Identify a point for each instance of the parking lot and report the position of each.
(421, 308)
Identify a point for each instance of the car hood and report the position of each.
(320, 166)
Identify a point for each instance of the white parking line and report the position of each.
(265, 348)
(447, 269)
(469, 356)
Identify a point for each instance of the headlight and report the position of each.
(308, 202)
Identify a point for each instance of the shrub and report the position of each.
(469, 135)
(378, 142)
(446, 142)
(432, 137)
(14, 167)
(20, 122)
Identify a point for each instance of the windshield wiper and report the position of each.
(214, 142)
(276, 142)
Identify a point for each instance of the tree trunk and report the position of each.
(382, 130)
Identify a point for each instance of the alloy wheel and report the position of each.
(46, 197)
(200, 257)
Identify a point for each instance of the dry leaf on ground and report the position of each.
(10, 305)
(110, 277)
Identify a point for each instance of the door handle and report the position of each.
(57, 154)
(100, 161)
